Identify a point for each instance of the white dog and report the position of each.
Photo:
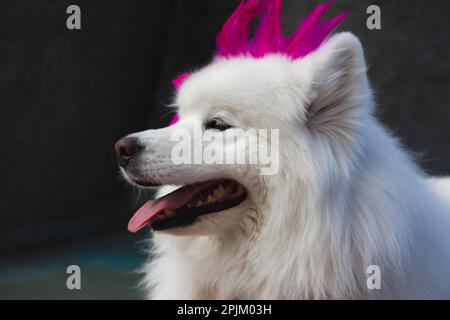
(346, 197)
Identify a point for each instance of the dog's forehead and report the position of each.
(242, 81)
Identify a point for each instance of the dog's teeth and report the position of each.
(220, 192)
(199, 203)
(169, 213)
(210, 199)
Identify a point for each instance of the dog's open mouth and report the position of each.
(183, 206)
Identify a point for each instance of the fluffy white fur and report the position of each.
(347, 195)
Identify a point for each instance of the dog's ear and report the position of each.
(338, 83)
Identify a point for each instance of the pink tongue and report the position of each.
(174, 200)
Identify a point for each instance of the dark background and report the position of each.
(67, 96)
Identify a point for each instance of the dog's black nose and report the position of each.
(126, 149)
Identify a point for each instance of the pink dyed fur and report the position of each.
(178, 82)
(174, 120)
(233, 39)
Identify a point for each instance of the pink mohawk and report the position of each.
(233, 38)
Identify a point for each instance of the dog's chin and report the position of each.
(196, 208)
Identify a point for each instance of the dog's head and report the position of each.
(291, 110)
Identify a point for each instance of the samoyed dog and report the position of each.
(347, 215)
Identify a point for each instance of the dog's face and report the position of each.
(311, 103)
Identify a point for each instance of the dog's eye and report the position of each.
(217, 124)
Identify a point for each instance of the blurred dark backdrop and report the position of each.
(67, 96)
